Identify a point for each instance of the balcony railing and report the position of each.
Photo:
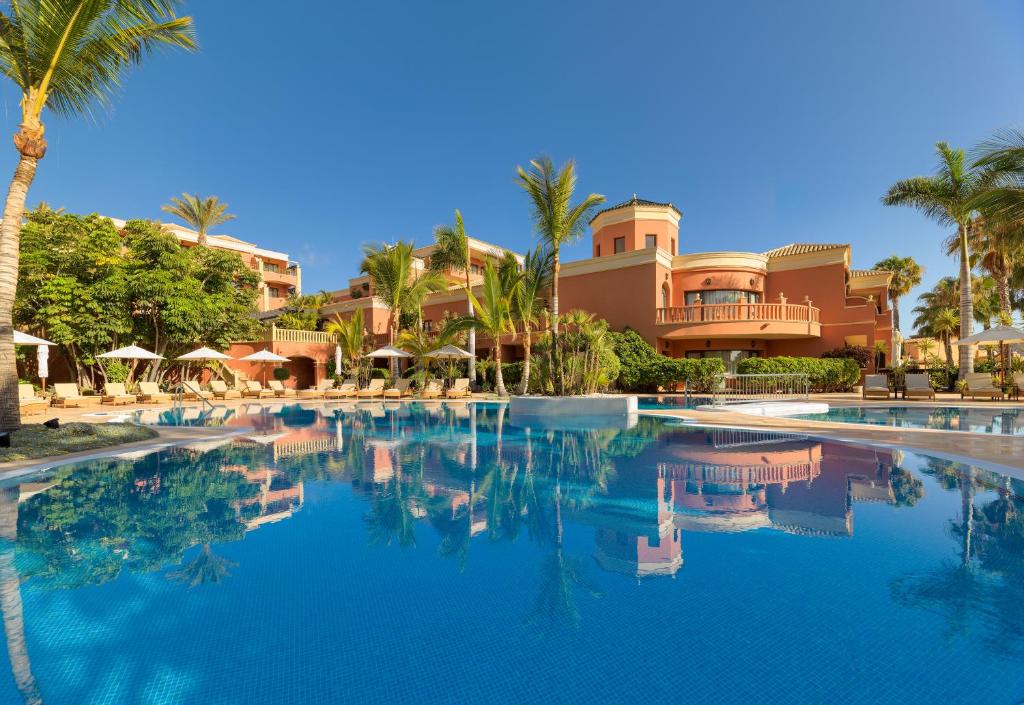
(290, 335)
(717, 313)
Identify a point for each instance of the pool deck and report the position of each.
(1003, 453)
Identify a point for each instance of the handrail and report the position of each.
(292, 335)
(710, 313)
(735, 388)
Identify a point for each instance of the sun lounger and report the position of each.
(66, 394)
(402, 388)
(431, 391)
(255, 390)
(149, 393)
(876, 387)
(221, 390)
(115, 393)
(29, 402)
(1018, 384)
(192, 390)
(348, 389)
(318, 391)
(979, 384)
(374, 389)
(279, 389)
(459, 389)
(917, 386)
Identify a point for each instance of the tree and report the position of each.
(200, 213)
(303, 312)
(527, 304)
(351, 337)
(451, 253)
(557, 221)
(66, 56)
(948, 197)
(1001, 161)
(906, 274)
(493, 316)
(944, 326)
(999, 246)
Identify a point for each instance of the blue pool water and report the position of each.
(1005, 421)
(411, 553)
(673, 401)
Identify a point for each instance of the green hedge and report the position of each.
(826, 374)
(643, 369)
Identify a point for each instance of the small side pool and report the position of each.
(1000, 420)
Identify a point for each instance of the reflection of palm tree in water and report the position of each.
(10, 599)
(206, 567)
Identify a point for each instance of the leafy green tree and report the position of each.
(67, 56)
(906, 274)
(950, 198)
(451, 253)
(351, 337)
(303, 312)
(200, 213)
(557, 221)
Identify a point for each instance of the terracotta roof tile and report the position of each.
(801, 248)
(634, 201)
(867, 272)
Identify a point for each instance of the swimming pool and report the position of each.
(1005, 421)
(444, 553)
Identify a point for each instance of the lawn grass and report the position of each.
(36, 441)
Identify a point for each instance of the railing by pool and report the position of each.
(722, 313)
(734, 388)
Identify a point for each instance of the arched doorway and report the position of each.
(666, 296)
(303, 371)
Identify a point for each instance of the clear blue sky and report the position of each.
(338, 123)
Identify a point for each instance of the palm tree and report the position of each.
(1001, 161)
(556, 220)
(932, 304)
(906, 274)
(494, 315)
(948, 197)
(396, 282)
(944, 327)
(68, 57)
(200, 213)
(999, 245)
(451, 253)
(350, 336)
(527, 304)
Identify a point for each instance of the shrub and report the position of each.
(116, 370)
(282, 374)
(380, 373)
(825, 374)
(643, 369)
(862, 354)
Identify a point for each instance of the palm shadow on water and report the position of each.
(983, 588)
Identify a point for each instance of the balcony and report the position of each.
(740, 320)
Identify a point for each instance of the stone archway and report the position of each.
(303, 370)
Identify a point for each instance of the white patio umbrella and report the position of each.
(337, 360)
(996, 336)
(264, 355)
(131, 352)
(390, 351)
(449, 352)
(42, 352)
(202, 354)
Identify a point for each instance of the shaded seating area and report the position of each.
(192, 390)
(67, 395)
(347, 389)
(459, 389)
(149, 393)
(876, 387)
(318, 391)
(29, 402)
(279, 390)
(431, 391)
(917, 386)
(374, 389)
(979, 384)
(221, 390)
(115, 394)
(402, 388)
(254, 390)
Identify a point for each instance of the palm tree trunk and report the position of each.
(948, 346)
(499, 380)
(966, 305)
(895, 311)
(471, 342)
(556, 363)
(524, 386)
(10, 599)
(10, 233)
(1003, 288)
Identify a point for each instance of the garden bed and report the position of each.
(33, 441)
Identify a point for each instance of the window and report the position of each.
(673, 247)
(620, 245)
(722, 296)
(428, 326)
(666, 296)
(271, 267)
(650, 240)
(731, 358)
(273, 291)
(597, 251)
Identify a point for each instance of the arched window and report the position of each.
(666, 296)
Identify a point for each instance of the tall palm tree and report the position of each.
(906, 274)
(557, 221)
(948, 197)
(999, 246)
(451, 253)
(944, 327)
(200, 213)
(944, 296)
(1001, 161)
(68, 56)
(351, 337)
(397, 283)
(527, 303)
(494, 314)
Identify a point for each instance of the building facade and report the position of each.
(798, 299)
(280, 276)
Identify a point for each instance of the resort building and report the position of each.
(280, 275)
